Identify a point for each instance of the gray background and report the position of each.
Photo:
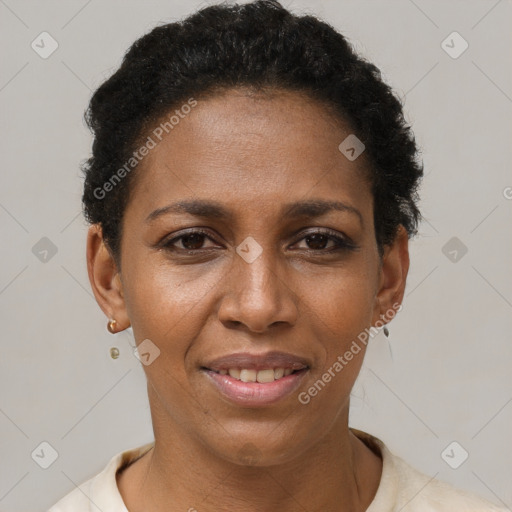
(448, 378)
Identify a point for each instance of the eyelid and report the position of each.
(341, 240)
(168, 240)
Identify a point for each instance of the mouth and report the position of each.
(256, 380)
(262, 376)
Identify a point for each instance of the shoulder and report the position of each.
(419, 492)
(406, 489)
(77, 500)
(101, 492)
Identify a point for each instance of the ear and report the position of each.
(105, 278)
(393, 276)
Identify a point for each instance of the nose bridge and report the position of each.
(256, 261)
(257, 274)
(256, 293)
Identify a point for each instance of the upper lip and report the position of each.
(267, 360)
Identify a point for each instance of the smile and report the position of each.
(256, 379)
(261, 376)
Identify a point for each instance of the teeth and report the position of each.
(235, 373)
(262, 376)
(265, 376)
(278, 373)
(248, 375)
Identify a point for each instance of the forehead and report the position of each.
(252, 149)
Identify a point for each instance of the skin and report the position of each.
(253, 154)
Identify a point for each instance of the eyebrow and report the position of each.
(212, 209)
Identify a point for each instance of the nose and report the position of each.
(256, 296)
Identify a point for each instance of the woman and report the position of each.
(251, 194)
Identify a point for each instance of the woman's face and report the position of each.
(272, 250)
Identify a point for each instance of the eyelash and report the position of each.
(341, 243)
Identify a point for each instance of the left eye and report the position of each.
(320, 241)
(317, 241)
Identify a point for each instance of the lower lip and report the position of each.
(255, 394)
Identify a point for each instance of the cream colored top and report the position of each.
(401, 488)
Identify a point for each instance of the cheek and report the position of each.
(159, 292)
(342, 301)
(342, 311)
(169, 307)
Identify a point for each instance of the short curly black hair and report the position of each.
(260, 45)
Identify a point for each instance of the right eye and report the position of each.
(190, 241)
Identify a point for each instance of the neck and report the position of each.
(339, 472)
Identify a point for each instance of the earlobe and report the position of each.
(393, 276)
(105, 278)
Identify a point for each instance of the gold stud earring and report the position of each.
(111, 326)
